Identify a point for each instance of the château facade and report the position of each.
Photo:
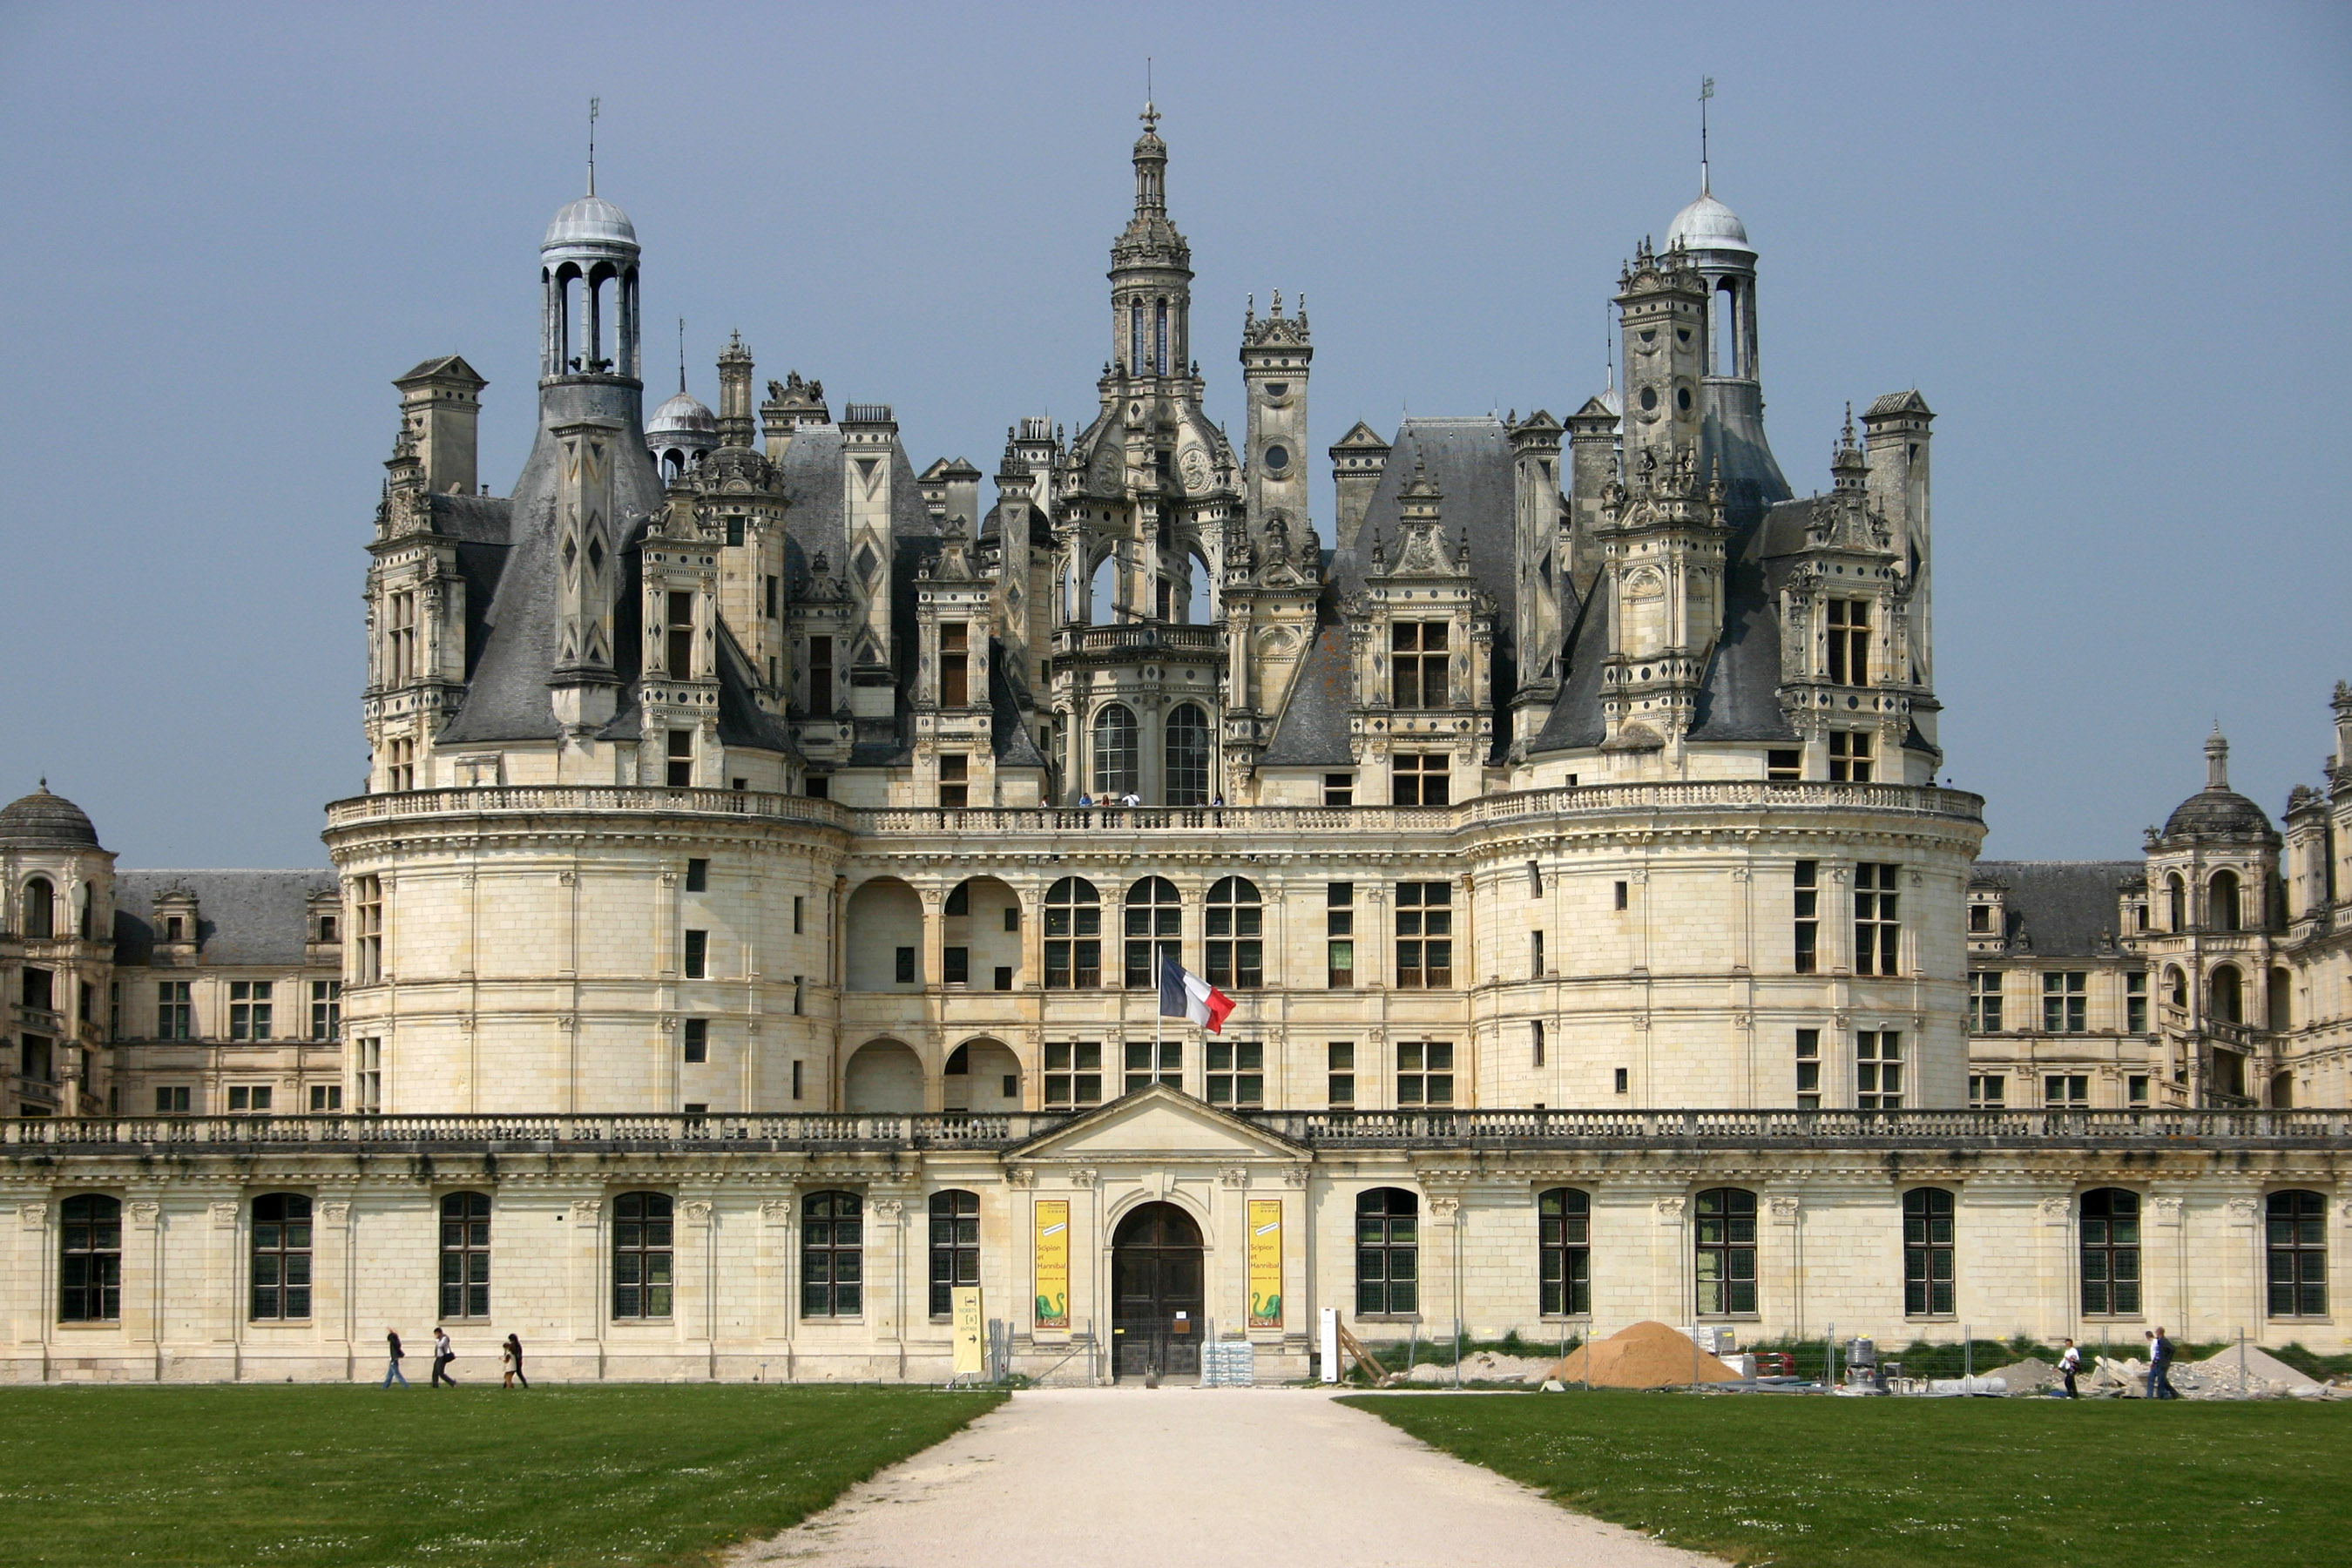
(751, 924)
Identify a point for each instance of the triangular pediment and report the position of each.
(1157, 1121)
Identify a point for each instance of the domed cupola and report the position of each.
(588, 275)
(46, 821)
(2217, 811)
(681, 433)
(1707, 224)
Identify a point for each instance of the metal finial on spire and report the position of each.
(2217, 759)
(1150, 116)
(681, 355)
(595, 106)
(1705, 92)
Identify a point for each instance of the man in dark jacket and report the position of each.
(392, 1372)
(2159, 1366)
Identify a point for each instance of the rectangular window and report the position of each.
(1980, 919)
(249, 1008)
(171, 1100)
(2135, 1002)
(1421, 778)
(820, 676)
(698, 1039)
(326, 1097)
(735, 533)
(697, 876)
(1622, 1088)
(679, 636)
(800, 913)
(1878, 1070)
(2066, 1091)
(367, 1076)
(1151, 1061)
(1877, 931)
(1425, 936)
(1073, 1074)
(800, 995)
(1339, 1058)
(767, 597)
(1850, 756)
(1809, 909)
(954, 665)
(1564, 1242)
(1417, 667)
(697, 955)
(903, 970)
(1233, 929)
(1536, 1032)
(1235, 1073)
(254, 1097)
(1535, 880)
(796, 1079)
(1339, 935)
(1622, 893)
(1784, 766)
(367, 930)
(400, 638)
(955, 963)
(1809, 1071)
(681, 759)
(174, 1015)
(1988, 1091)
(955, 781)
(1338, 789)
(326, 1009)
(1984, 1002)
(1927, 1236)
(2136, 1091)
(2065, 1002)
(1850, 642)
(1424, 1073)
(1535, 955)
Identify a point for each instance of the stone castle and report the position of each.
(751, 928)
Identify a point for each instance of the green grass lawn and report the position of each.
(191, 1476)
(1886, 1483)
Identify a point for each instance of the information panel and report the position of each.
(1053, 1216)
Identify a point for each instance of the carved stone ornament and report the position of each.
(776, 1211)
(1784, 1209)
(1084, 1176)
(886, 1209)
(696, 1211)
(33, 1216)
(334, 1211)
(2242, 1210)
(1234, 1176)
(585, 1210)
(224, 1215)
(2164, 1211)
(1295, 1176)
(1024, 1177)
(2054, 1210)
(1670, 1211)
(1445, 1206)
(144, 1212)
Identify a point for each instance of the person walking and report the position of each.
(511, 1355)
(392, 1373)
(444, 1352)
(2069, 1363)
(2159, 1366)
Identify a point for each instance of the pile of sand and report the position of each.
(1647, 1355)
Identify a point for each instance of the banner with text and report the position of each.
(1053, 1218)
(1265, 1263)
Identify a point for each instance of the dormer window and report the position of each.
(1417, 664)
(174, 927)
(1850, 642)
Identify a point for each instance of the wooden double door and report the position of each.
(1157, 1294)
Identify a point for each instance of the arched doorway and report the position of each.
(1156, 1293)
(883, 1077)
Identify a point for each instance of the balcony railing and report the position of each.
(1143, 636)
(1004, 1130)
(1729, 795)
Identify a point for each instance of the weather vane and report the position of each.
(594, 104)
(1150, 116)
(1705, 92)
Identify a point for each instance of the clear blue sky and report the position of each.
(2108, 243)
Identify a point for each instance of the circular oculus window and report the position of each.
(1277, 458)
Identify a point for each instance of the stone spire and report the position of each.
(2217, 759)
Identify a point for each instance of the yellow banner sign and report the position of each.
(969, 1358)
(1265, 1263)
(1053, 1216)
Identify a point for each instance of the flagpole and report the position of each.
(1159, 1018)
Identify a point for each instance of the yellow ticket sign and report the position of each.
(970, 1358)
(1053, 1219)
(1265, 1263)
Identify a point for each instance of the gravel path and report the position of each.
(1178, 1476)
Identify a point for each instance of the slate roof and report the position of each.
(1008, 735)
(1313, 729)
(2062, 908)
(242, 917)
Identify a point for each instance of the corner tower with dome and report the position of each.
(753, 916)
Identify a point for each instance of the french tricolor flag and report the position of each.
(1184, 994)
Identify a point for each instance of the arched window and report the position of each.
(833, 1255)
(1135, 337)
(2225, 909)
(1115, 753)
(1564, 1250)
(1159, 335)
(1725, 1236)
(1188, 756)
(2228, 993)
(1073, 935)
(2110, 1253)
(1235, 945)
(2176, 987)
(643, 1263)
(1155, 928)
(281, 1256)
(1927, 1252)
(955, 1247)
(1388, 1251)
(466, 1255)
(2297, 1241)
(2175, 898)
(40, 908)
(89, 1260)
